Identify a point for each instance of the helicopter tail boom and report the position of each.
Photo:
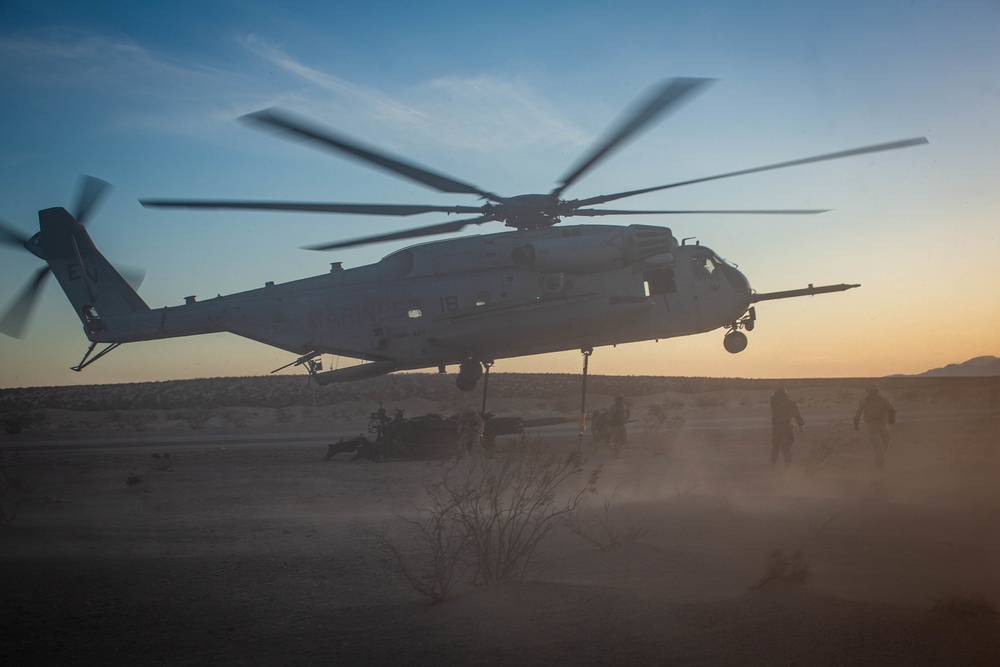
(92, 284)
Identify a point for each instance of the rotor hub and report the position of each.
(534, 211)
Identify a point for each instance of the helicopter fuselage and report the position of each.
(542, 287)
(475, 299)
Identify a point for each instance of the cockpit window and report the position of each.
(704, 265)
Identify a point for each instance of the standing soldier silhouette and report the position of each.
(618, 415)
(878, 413)
(783, 411)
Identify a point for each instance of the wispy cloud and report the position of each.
(490, 112)
(85, 60)
(483, 113)
(141, 88)
(384, 106)
(155, 91)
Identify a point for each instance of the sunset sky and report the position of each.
(507, 96)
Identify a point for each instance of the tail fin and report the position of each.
(93, 286)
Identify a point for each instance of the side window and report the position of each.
(414, 309)
(659, 281)
(482, 298)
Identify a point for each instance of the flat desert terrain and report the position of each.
(210, 530)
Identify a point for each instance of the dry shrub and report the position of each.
(236, 417)
(782, 569)
(15, 422)
(137, 419)
(439, 561)
(163, 461)
(709, 401)
(509, 503)
(485, 518)
(823, 454)
(197, 417)
(602, 531)
(661, 423)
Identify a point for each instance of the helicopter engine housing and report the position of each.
(583, 254)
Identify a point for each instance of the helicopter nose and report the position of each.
(736, 280)
(741, 287)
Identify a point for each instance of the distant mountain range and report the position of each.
(978, 367)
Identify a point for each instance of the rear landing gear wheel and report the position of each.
(735, 342)
(468, 375)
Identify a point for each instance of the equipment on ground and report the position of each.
(423, 437)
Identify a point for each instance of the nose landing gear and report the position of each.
(736, 341)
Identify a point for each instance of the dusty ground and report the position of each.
(246, 548)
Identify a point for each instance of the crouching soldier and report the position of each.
(470, 433)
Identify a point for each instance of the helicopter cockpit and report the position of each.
(707, 266)
(704, 264)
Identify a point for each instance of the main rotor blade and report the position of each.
(19, 312)
(592, 212)
(668, 95)
(11, 235)
(892, 145)
(430, 230)
(282, 120)
(308, 207)
(90, 192)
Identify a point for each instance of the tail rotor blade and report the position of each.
(10, 235)
(132, 275)
(89, 194)
(16, 318)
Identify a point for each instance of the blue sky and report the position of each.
(146, 96)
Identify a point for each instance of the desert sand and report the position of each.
(223, 537)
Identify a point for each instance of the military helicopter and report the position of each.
(462, 301)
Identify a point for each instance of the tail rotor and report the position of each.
(90, 193)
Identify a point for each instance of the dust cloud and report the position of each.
(245, 546)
